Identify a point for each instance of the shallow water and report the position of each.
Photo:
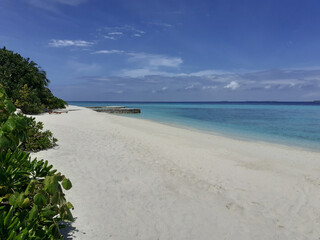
(289, 123)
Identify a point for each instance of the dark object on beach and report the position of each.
(57, 111)
(116, 110)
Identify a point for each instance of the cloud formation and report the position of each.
(108, 51)
(232, 85)
(156, 60)
(69, 43)
(151, 84)
(117, 32)
(51, 5)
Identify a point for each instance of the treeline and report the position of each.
(26, 84)
(32, 202)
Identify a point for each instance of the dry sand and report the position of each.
(137, 179)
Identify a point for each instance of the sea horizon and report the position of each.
(294, 124)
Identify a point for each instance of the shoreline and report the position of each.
(236, 132)
(139, 179)
(237, 137)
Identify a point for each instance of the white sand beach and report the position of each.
(137, 179)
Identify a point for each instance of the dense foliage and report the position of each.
(37, 139)
(17, 130)
(26, 83)
(32, 203)
(13, 128)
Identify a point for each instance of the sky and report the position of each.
(170, 50)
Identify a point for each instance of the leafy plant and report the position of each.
(26, 83)
(37, 139)
(28, 101)
(12, 127)
(32, 203)
(17, 130)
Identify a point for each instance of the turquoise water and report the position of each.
(290, 123)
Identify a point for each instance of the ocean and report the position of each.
(289, 123)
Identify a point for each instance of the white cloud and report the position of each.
(110, 37)
(69, 43)
(209, 87)
(115, 33)
(162, 24)
(51, 5)
(165, 61)
(140, 72)
(189, 87)
(283, 82)
(108, 52)
(146, 64)
(83, 68)
(232, 85)
(69, 2)
(155, 60)
(207, 73)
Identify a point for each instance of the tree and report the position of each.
(26, 83)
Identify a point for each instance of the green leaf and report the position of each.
(26, 203)
(48, 212)
(13, 198)
(51, 184)
(9, 106)
(54, 229)
(30, 188)
(15, 223)
(69, 205)
(55, 198)
(23, 234)
(4, 142)
(19, 200)
(33, 213)
(12, 235)
(39, 199)
(8, 218)
(66, 184)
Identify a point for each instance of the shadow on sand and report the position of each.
(69, 231)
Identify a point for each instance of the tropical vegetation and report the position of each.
(32, 202)
(26, 83)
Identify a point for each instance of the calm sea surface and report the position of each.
(295, 124)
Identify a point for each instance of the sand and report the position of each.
(137, 179)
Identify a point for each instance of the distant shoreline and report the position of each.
(277, 123)
(316, 102)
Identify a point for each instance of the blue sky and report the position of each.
(177, 50)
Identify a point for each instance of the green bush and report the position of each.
(37, 139)
(28, 101)
(13, 128)
(26, 83)
(32, 203)
(17, 130)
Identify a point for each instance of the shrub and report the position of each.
(21, 131)
(37, 139)
(12, 127)
(28, 101)
(32, 203)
